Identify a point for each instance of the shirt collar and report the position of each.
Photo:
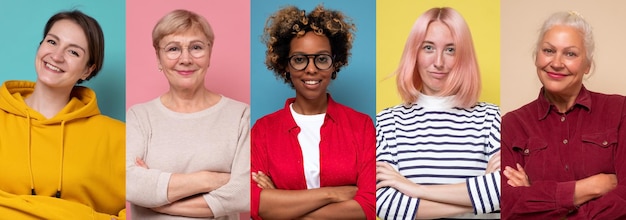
(331, 111)
(582, 100)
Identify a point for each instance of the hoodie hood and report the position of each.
(82, 103)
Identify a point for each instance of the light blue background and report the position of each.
(355, 84)
(22, 23)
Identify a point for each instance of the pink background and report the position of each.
(229, 73)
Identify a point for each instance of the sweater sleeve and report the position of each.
(391, 203)
(45, 207)
(484, 190)
(366, 182)
(140, 182)
(233, 196)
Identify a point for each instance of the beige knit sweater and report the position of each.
(214, 139)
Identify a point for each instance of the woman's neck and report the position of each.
(305, 106)
(188, 100)
(562, 102)
(48, 101)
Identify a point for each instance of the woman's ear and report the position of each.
(88, 72)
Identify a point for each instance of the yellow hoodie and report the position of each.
(78, 153)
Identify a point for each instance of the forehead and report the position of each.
(185, 36)
(310, 43)
(566, 36)
(438, 32)
(69, 32)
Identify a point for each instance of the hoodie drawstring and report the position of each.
(30, 158)
(58, 194)
(30, 161)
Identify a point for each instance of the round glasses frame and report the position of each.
(194, 52)
(319, 63)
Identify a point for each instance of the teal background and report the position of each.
(355, 85)
(22, 23)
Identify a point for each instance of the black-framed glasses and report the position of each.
(301, 61)
(196, 50)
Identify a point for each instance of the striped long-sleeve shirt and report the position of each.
(432, 142)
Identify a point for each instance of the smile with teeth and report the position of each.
(312, 82)
(52, 67)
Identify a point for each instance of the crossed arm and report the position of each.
(585, 189)
(436, 201)
(320, 203)
(185, 192)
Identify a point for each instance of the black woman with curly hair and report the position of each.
(314, 158)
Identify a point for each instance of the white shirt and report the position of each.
(309, 139)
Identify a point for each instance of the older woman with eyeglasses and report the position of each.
(314, 158)
(187, 150)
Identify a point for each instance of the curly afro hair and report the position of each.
(291, 22)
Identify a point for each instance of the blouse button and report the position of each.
(562, 118)
(564, 141)
(526, 151)
(605, 143)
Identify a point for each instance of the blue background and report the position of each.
(355, 84)
(22, 23)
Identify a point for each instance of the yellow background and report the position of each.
(394, 20)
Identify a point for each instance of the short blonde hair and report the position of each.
(464, 79)
(179, 21)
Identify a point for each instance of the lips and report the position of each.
(185, 72)
(438, 75)
(312, 82)
(53, 68)
(556, 75)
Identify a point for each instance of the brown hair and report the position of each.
(93, 32)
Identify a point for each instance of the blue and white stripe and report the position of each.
(439, 146)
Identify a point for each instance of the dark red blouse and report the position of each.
(557, 149)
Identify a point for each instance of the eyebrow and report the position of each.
(430, 42)
(71, 45)
(318, 52)
(566, 48)
(190, 42)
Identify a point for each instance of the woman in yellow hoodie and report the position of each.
(59, 157)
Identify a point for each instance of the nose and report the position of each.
(185, 57)
(557, 62)
(310, 66)
(58, 55)
(439, 61)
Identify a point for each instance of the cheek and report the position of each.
(423, 61)
(541, 61)
(450, 61)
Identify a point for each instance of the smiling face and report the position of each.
(561, 60)
(185, 58)
(435, 58)
(62, 56)
(310, 83)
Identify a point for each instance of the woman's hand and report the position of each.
(516, 177)
(494, 163)
(139, 162)
(262, 180)
(387, 176)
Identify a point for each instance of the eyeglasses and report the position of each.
(196, 50)
(301, 61)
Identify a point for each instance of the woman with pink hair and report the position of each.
(438, 152)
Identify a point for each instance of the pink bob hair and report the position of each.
(464, 78)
